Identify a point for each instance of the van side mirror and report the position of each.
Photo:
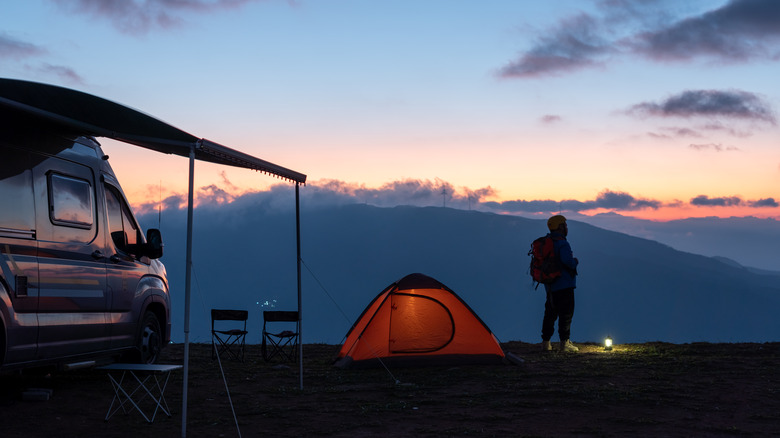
(154, 244)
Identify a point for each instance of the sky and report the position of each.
(656, 109)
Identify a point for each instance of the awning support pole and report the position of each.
(300, 319)
(187, 285)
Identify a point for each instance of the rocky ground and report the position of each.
(653, 389)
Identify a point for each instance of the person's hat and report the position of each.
(554, 222)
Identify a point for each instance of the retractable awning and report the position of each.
(99, 117)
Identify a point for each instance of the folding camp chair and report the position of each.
(283, 344)
(230, 341)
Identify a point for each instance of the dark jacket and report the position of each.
(568, 264)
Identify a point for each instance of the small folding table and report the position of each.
(145, 381)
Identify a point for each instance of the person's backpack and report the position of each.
(545, 267)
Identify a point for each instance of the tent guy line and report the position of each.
(377, 354)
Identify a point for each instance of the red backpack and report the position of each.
(545, 267)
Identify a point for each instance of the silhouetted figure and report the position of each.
(560, 293)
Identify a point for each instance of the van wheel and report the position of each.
(150, 339)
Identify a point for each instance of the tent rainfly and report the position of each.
(418, 321)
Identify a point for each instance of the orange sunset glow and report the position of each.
(512, 107)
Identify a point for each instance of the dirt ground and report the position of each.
(653, 389)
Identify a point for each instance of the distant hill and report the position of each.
(750, 241)
(635, 290)
(758, 271)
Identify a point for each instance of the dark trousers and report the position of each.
(560, 306)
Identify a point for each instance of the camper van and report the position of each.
(80, 284)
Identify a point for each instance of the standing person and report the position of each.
(560, 293)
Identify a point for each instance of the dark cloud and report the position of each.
(550, 118)
(538, 206)
(675, 132)
(659, 136)
(172, 202)
(230, 186)
(623, 201)
(574, 45)
(706, 201)
(684, 132)
(404, 192)
(739, 31)
(712, 146)
(11, 48)
(609, 200)
(213, 194)
(709, 103)
(66, 73)
(424, 193)
(720, 127)
(138, 18)
(767, 202)
(421, 193)
(733, 201)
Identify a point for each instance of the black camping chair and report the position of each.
(229, 341)
(283, 344)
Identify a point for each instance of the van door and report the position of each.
(72, 300)
(124, 269)
(18, 252)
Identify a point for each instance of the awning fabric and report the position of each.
(99, 117)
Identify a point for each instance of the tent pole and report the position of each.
(298, 241)
(187, 286)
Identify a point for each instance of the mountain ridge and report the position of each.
(630, 288)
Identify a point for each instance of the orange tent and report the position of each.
(418, 321)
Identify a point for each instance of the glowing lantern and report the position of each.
(608, 344)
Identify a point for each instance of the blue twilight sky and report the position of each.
(651, 108)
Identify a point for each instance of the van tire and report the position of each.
(150, 339)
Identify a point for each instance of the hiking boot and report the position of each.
(546, 346)
(568, 347)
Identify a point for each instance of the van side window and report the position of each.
(121, 225)
(70, 201)
(16, 186)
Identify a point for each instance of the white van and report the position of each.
(79, 281)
